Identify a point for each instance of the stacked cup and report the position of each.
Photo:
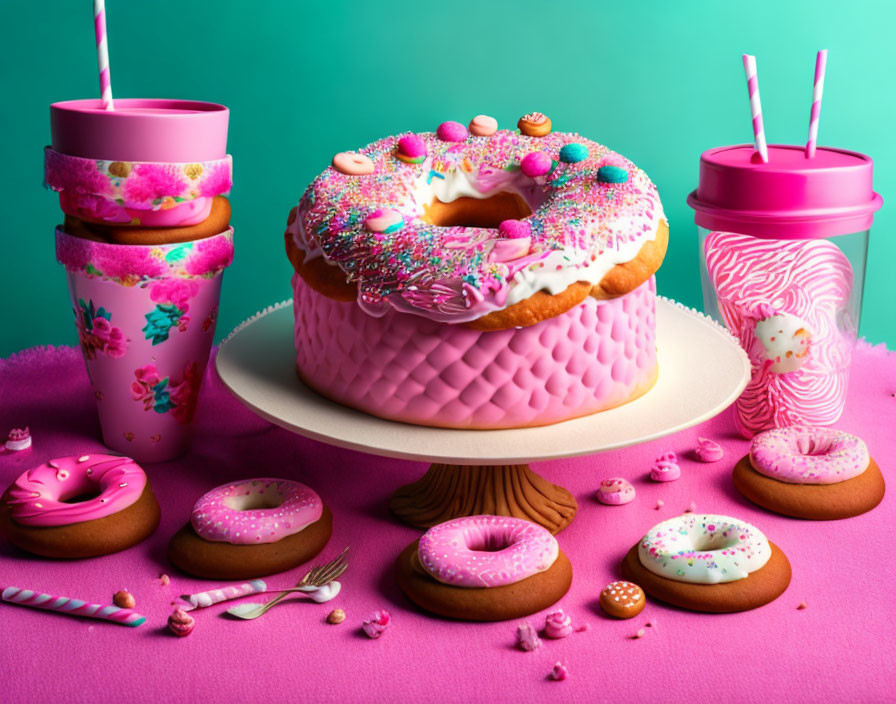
(145, 240)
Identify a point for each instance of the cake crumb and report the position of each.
(123, 599)
(692, 507)
(659, 505)
(559, 673)
(639, 634)
(336, 616)
(164, 579)
(802, 606)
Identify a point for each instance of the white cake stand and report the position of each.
(702, 370)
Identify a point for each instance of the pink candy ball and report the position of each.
(514, 229)
(451, 132)
(536, 164)
(411, 145)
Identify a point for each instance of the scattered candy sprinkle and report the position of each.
(559, 673)
(527, 638)
(123, 599)
(557, 624)
(692, 507)
(639, 634)
(377, 623)
(164, 579)
(803, 605)
(659, 505)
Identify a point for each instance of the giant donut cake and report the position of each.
(478, 279)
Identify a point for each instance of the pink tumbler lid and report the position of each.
(140, 129)
(790, 197)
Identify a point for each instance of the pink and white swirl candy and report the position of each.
(72, 607)
(803, 455)
(486, 551)
(797, 289)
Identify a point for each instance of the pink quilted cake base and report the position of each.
(404, 367)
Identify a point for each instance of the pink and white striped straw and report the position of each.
(215, 596)
(102, 53)
(755, 106)
(73, 607)
(821, 61)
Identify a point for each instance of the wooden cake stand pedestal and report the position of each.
(702, 370)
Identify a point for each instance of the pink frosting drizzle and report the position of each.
(486, 551)
(804, 455)
(255, 511)
(38, 497)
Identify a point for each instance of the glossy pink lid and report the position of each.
(790, 197)
(140, 129)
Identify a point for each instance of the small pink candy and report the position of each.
(527, 638)
(557, 625)
(164, 580)
(536, 164)
(376, 624)
(708, 450)
(514, 229)
(451, 132)
(18, 440)
(559, 673)
(483, 126)
(692, 507)
(666, 468)
(615, 491)
(412, 146)
(382, 219)
(180, 623)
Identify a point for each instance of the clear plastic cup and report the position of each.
(783, 248)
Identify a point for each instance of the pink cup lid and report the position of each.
(140, 129)
(790, 197)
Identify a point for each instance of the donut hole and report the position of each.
(477, 212)
(80, 496)
(812, 446)
(715, 541)
(487, 542)
(256, 500)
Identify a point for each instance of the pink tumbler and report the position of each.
(783, 247)
(138, 186)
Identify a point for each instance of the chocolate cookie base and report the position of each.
(486, 603)
(100, 536)
(816, 502)
(203, 558)
(759, 588)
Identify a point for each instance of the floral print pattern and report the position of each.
(96, 332)
(162, 395)
(102, 189)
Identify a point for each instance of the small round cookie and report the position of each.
(818, 474)
(622, 600)
(251, 529)
(708, 563)
(216, 222)
(484, 568)
(77, 507)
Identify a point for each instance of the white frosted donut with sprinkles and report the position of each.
(255, 511)
(807, 455)
(704, 549)
(486, 551)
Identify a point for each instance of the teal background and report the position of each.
(658, 81)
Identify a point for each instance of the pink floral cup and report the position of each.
(146, 317)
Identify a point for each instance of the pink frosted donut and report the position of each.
(807, 455)
(40, 497)
(255, 511)
(486, 551)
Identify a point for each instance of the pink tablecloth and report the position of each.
(840, 648)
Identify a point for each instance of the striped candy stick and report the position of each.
(214, 596)
(755, 106)
(821, 61)
(73, 607)
(102, 53)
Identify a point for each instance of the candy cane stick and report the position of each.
(73, 607)
(821, 61)
(214, 596)
(755, 106)
(102, 53)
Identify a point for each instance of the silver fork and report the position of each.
(318, 576)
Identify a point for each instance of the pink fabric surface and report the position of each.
(840, 648)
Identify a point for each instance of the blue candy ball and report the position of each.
(573, 153)
(612, 174)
